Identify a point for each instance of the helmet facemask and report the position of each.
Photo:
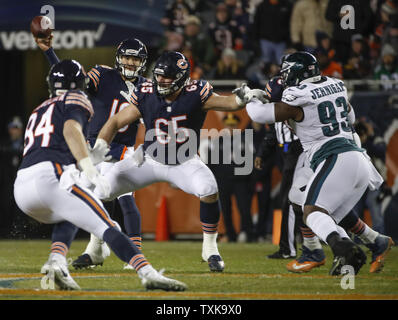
(174, 86)
(125, 71)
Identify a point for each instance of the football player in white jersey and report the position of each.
(317, 108)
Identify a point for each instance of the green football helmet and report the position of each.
(299, 66)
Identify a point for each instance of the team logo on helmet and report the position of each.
(182, 64)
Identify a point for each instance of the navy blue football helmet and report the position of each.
(299, 66)
(174, 65)
(131, 47)
(66, 75)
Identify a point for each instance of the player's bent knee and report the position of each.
(210, 199)
(308, 209)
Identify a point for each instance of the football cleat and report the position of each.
(96, 253)
(308, 260)
(380, 248)
(216, 264)
(347, 253)
(128, 267)
(280, 255)
(84, 261)
(156, 280)
(59, 272)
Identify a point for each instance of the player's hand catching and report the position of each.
(99, 152)
(244, 95)
(101, 185)
(44, 43)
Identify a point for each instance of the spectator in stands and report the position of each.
(271, 28)
(388, 19)
(388, 68)
(237, 12)
(324, 44)
(259, 73)
(199, 43)
(228, 66)
(224, 31)
(358, 65)
(307, 18)
(176, 14)
(328, 66)
(363, 17)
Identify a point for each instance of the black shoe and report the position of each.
(280, 255)
(347, 253)
(84, 261)
(216, 264)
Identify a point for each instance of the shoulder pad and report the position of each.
(77, 97)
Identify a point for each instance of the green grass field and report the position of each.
(248, 275)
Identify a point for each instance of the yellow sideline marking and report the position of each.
(136, 294)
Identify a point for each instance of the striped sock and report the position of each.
(59, 250)
(137, 241)
(138, 261)
(310, 240)
(362, 230)
(209, 228)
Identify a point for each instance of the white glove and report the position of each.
(102, 186)
(258, 94)
(99, 151)
(244, 95)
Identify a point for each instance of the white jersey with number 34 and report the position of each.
(325, 106)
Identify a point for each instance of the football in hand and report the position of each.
(41, 27)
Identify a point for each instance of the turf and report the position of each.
(248, 275)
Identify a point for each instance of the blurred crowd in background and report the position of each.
(242, 39)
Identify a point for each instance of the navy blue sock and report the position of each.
(64, 232)
(131, 216)
(62, 237)
(124, 248)
(209, 216)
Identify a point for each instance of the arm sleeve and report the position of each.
(94, 76)
(205, 90)
(351, 116)
(78, 114)
(51, 56)
(295, 96)
(260, 112)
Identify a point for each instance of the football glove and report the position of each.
(101, 185)
(244, 95)
(99, 152)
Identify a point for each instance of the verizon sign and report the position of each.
(66, 39)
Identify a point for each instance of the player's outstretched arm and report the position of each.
(119, 120)
(45, 44)
(238, 100)
(273, 112)
(222, 103)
